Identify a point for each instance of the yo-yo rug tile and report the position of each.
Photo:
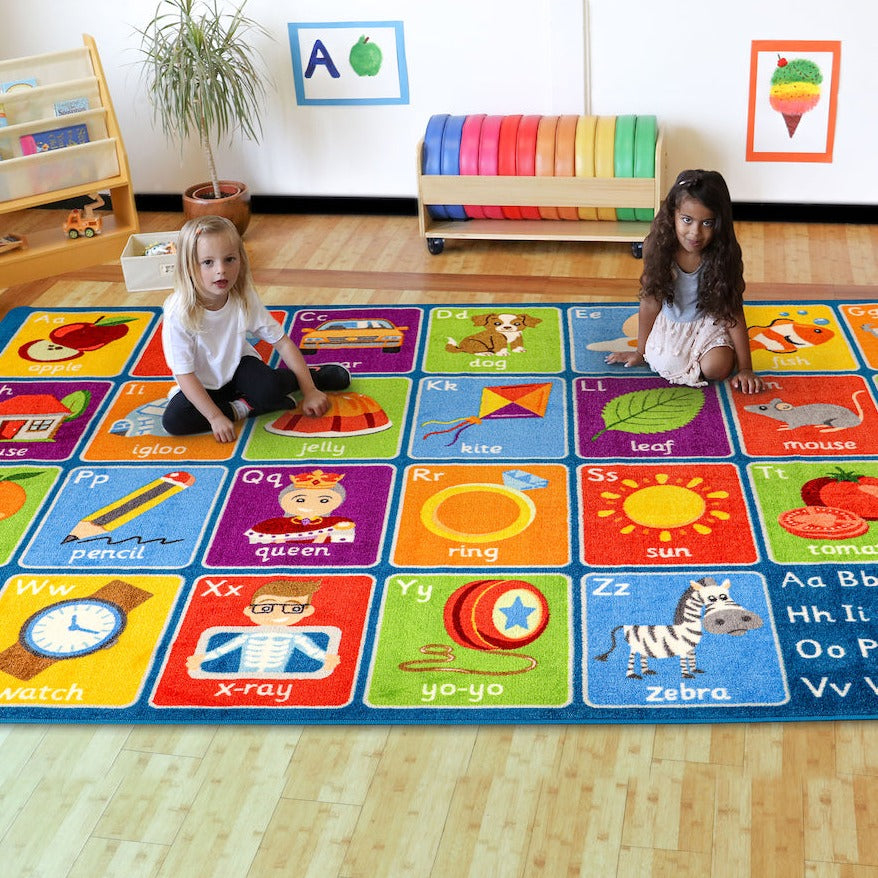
(491, 525)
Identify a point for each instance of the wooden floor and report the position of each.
(385, 802)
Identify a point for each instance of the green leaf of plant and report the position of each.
(76, 402)
(652, 411)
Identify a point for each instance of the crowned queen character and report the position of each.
(308, 503)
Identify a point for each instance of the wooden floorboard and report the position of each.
(794, 799)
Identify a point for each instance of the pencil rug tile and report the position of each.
(642, 418)
(126, 517)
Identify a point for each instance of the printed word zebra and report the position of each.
(704, 606)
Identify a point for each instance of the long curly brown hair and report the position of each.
(721, 286)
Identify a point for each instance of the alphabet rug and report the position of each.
(490, 525)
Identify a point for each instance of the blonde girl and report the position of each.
(208, 320)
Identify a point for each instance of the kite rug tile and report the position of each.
(491, 525)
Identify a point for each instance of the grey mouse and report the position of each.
(826, 416)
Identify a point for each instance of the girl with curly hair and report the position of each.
(691, 327)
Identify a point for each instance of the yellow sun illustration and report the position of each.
(665, 505)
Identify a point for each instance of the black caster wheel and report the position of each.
(637, 249)
(435, 245)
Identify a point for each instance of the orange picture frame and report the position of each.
(807, 132)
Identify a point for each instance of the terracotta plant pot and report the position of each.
(234, 204)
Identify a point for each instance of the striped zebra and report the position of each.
(704, 606)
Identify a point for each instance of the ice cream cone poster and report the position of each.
(793, 99)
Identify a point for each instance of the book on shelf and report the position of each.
(54, 138)
(14, 85)
(71, 105)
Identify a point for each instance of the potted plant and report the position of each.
(204, 79)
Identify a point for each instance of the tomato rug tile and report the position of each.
(491, 525)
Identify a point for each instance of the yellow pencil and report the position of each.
(126, 508)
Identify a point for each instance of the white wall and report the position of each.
(687, 63)
(499, 56)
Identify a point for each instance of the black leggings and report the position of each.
(265, 389)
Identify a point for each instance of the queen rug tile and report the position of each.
(490, 525)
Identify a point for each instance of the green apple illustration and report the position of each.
(365, 57)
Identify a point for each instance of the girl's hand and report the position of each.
(747, 381)
(315, 403)
(628, 358)
(223, 429)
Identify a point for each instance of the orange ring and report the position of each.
(489, 143)
(565, 147)
(469, 157)
(584, 157)
(545, 158)
(604, 142)
(507, 158)
(527, 156)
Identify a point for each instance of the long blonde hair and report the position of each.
(187, 301)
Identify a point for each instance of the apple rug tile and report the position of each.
(491, 525)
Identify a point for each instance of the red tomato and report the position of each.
(844, 489)
(823, 523)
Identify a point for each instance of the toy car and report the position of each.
(12, 242)
(374, 333)
(79, 224)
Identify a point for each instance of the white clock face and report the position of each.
(73, 628)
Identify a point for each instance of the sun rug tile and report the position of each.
(491, 525)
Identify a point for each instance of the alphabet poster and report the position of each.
(349, 62)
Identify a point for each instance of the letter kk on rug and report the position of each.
(491, 525)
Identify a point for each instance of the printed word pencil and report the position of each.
(126, 508)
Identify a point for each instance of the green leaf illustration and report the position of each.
(652, 411)
(77, 402)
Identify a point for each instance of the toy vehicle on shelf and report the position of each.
(78, 223)
(12, 242)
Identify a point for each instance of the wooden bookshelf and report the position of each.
(72, 172)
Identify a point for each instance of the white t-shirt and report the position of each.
(214, 352)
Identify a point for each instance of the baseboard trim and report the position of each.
(754, 211)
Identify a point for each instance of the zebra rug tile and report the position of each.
(491, 525)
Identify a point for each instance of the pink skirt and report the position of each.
(674, 350)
